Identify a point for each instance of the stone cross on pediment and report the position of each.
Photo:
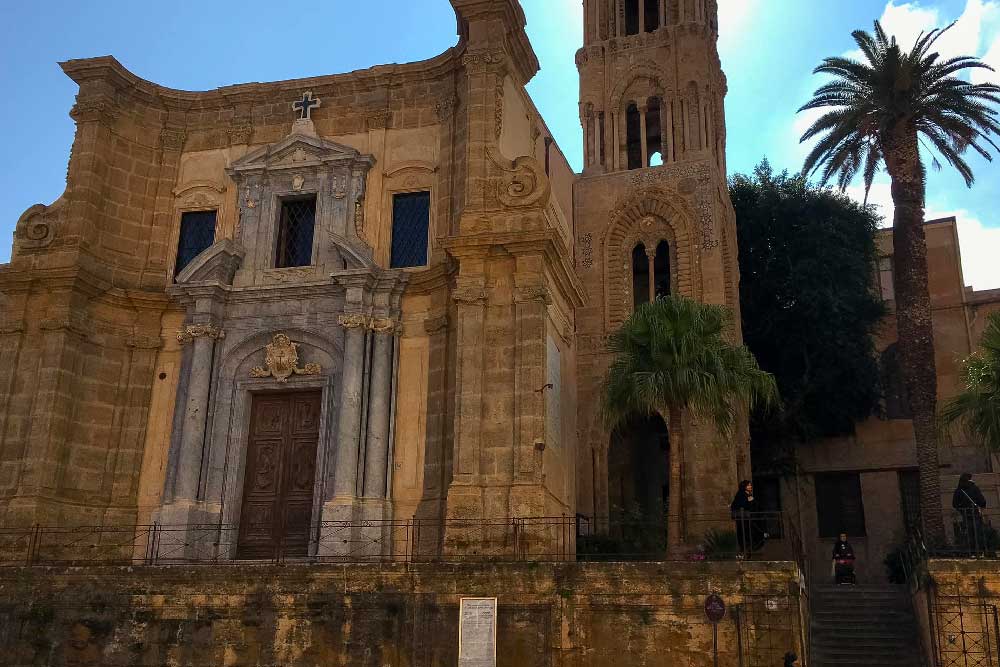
(305, 106)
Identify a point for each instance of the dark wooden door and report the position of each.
(280, 474)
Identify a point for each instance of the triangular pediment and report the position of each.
(296, 151)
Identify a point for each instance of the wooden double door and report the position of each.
(278, 485)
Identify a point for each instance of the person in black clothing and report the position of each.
(746, 517)
(790, 659)
(843, 561)
(969, 502)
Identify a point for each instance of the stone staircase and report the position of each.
(863, 626)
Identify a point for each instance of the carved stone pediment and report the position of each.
(298, 151)
(217, 263)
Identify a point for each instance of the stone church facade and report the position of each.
(291, 309)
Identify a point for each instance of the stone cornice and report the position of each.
(547, 242)
(431, 279)
(107, 69)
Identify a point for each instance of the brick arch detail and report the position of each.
(648, 217)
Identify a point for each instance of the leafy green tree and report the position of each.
(880, 109)
(809, 307)
(672, 356)
(977, 407)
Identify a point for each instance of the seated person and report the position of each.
(843, 561)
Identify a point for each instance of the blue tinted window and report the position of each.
(197, 235)
(410, 222)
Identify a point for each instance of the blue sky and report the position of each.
(768, 47)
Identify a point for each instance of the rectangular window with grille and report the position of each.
(197, 235)
(839, 506)
(411, 214)
(295, 232)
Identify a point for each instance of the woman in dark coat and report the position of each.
(744, 511)
(969, 502)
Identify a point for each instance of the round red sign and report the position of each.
(715, 608)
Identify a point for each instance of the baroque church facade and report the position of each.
(304, 313)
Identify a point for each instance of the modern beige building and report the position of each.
(867, 484)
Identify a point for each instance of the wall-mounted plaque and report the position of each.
(477, 632)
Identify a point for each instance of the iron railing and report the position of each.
(558, 539)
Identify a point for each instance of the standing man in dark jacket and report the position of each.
(969, 502)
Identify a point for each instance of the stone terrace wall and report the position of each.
(957, 603)
(587, 615)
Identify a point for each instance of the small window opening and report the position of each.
(295, 232)
(633, 130)
(197, 235)
(410, 225)
(631, 17)
(640, 276)
(652, 15)
(661, 270)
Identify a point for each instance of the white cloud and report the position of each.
(734, 15)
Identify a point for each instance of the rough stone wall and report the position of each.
(568, 615)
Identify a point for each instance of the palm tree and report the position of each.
(882, 108)
(977, 407)
(672, 356)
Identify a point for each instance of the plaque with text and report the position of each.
(477, 632)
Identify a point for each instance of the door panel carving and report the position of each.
(280, 475)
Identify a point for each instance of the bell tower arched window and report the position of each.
(651, 15)
(640, 276)
(631, 17)
(661, 270)
(654, 134)
(633, 136)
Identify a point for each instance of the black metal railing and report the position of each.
(557, 539)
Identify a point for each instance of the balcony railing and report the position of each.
(763, 536)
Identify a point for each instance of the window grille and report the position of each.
(410, 224)
(197, 235)
(295, 232)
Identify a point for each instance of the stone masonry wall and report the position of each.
(592, 615)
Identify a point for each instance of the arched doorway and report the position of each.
(638, 486)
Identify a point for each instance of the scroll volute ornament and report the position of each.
(519, 183)
(282, 360)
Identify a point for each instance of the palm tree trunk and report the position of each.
(674, 511)
(913, 316)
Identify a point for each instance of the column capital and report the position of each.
(353, 321)
(192, 331)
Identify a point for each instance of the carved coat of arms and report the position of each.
(282, 360)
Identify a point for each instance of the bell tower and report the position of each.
(653, 217)
(651, 84)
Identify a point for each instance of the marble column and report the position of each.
(615, 148)
(379, 408)
(191, 537)
(375, 506)
(202, 338)
(345, 482)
